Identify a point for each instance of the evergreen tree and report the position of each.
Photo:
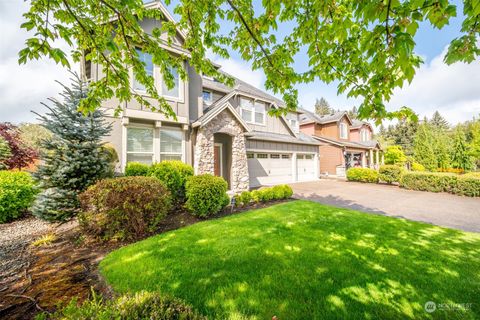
(438, 122)
(461, 158)
(475, 142)
(5, 153)
(322, 107)
(74, 157)
(423, 147)
(353, 113)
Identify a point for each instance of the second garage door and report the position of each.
(305, 167)
(269, 168)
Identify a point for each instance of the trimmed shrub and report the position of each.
(472, 175)
(243, 198)
(124, 208)
(390, 173)
(174, 174)
(17, 192)
(467, 186)
(428, 181)
(266, 194)
(206, 195)
(133, 169)
(287, 191)
(256, 196)
(278, 192)
(451, 170)
(141, 305)
(417, 167)
(362, 175)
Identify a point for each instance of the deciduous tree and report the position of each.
(21, 154)
(366, 47)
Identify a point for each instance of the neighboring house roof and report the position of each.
(278, 137)
(356, 124)
(309, 117)
(361, 145)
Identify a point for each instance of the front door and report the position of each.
(217, 160)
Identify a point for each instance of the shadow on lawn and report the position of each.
(302, 260)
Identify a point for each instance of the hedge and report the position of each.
(17, 192)
(467, 185)
(362, 175)
(124, 208)
(390, 173)
(206, 195)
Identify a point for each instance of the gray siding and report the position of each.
(280, 146)
(272, 124)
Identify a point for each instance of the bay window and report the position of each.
(147, 59)
(171, 144)
(140, 145)
(252, 112)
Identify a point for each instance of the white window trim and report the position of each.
(138, 126)
(252, 111)
(341, 131)
(208, 102)
(159, 158)
(221, 157)
(181, 88)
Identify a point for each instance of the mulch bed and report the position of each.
(46, 277)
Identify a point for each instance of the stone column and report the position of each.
(204, 162)
(239, 169)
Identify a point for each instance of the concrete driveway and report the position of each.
(436, 208)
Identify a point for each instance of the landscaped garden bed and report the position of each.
(303, 260)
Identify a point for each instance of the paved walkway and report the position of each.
(436, 208)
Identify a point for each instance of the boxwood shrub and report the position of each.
(206, 195)
(141, 305)
(136, 169)
(467, 185)
(174, 174)
(243, 198)
(362, 175)
(278, 192)
(390, 173)
(428, 181)
(124, 208)
(17, 192)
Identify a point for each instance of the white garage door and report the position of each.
(305, 167)
(269, 168)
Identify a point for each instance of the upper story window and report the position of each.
(343, 130)
(364, 135)
(175, 91)
(147, 59)
(292, 119)
(207, 96)
(252, 112)
(140, 145)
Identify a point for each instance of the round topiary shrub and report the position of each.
(17, 192)
(206, 195)
(124, 208)
(174, 174)
(362, 175)
(390, 173)
(133, 169)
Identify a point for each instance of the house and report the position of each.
(345, 142)
(221, 130)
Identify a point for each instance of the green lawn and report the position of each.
(303, 260)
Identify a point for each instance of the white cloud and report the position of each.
(23, 87)
(452, 90)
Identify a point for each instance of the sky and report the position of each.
(452, 90)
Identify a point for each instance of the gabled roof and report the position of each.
(359, 123)
(372, 144)
(152, 4)
(309, 117)
(215, 110)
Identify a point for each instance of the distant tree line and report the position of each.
(436, 144)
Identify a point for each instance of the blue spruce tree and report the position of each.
(73, 158)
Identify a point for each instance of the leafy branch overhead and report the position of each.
(367, 47)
